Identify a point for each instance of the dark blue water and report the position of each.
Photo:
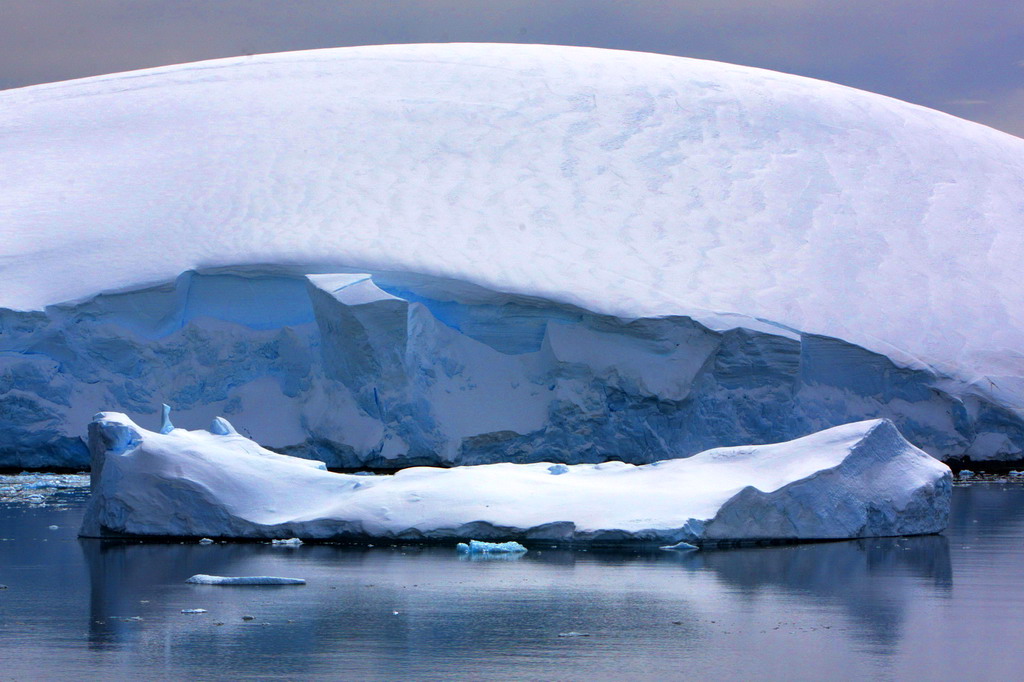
(941, 607)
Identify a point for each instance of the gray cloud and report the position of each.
(964, 58)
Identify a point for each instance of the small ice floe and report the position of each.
(290, 542)
(193, 610)
(965, 474)
(558, 469)
(203, 579)
(1017, 474)
(206, 541)
(53, 527)
(573, 633)
(680, 547)
(480, 547)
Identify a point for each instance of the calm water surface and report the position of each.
(942, 607)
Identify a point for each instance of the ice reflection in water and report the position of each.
(654, 601)
(888, 607)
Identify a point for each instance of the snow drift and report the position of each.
(857, 480)
(606, 253)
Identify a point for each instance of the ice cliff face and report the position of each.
(393, 370)
(547, 229)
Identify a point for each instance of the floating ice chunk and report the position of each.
(558, 469)
(480, 547)
(222, 427)
(206, 541)
(203, 579)
(573, 633)
(965, 474)
(193, 610)
(165, 419)
(54, 527)
(290, 542)
(681, 546)
(853, 481)
(1017, 474)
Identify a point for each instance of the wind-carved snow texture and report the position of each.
(851, 481)
(393, 370)
(613, 199)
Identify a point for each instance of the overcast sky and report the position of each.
(961, 56)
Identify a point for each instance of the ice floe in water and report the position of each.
(203, 579)
(288, 542)
(859, 480)
(480, 547)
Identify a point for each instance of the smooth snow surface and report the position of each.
(857, 480)
(203, 579)
(580, 253)
(629, 183)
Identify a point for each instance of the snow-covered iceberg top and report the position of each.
(857, 480)
(625, 183)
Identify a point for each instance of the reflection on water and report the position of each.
(867, 608)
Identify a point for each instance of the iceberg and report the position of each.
(287, 542)
(480, 547)
(858, 480)
(438, 255)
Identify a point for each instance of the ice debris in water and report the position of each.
(53, 527)
(290, 542)
(206, 541)
(573, 633)
(193, 610)
(558, 469)
(480, 547)
(681, 546)
(966, 473)
(203, 579)
(1017, 474)
(39, 488)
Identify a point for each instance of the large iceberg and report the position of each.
(851, 481)
(455, 254)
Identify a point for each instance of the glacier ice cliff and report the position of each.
(852, 481)
(438, 254)
(392, 371)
